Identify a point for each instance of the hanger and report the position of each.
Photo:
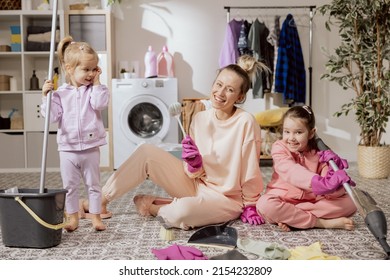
(293, 22)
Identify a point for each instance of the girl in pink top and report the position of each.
(304, 191)
(219, 178)
(76, 106)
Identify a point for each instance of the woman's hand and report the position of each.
(190, 154)
(47, 87)
(250, 216)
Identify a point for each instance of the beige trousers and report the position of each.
(194, 203)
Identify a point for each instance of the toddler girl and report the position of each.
(77, 106)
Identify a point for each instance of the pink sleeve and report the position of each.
(252, 182)
(100, 97)
(55, 107)
(288, 169)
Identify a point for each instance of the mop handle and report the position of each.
(48, 100)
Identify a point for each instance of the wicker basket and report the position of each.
(374, 162)
(10, 4)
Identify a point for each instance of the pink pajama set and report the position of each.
(288, 197)
(229, 179)
(80, 133)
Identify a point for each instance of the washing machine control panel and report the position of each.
(157, 83)
(144, 84)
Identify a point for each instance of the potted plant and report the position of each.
(361, 63)
(112, 2)
(107, 4)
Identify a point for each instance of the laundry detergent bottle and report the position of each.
(150, 63)
(165, 64)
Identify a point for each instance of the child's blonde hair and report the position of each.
(247, 66)
(70, 53)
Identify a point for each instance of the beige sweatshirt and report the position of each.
(230, 152)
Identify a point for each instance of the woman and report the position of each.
(219, 178)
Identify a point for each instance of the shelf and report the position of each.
(22, 144)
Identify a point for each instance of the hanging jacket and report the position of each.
(273, 39)
(290, 76)
(263, 51)
(243, 47)
(229, 52)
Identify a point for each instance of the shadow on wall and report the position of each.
(184, 75)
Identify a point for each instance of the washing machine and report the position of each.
(140, 114)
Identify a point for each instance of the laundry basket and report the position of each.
(31, 219)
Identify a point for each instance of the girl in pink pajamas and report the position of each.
(219, 178)
(304, 191)
(77, 106)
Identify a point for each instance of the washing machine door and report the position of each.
(145, 119)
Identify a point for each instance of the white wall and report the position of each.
(194, 32)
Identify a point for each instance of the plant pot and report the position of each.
(374, 162)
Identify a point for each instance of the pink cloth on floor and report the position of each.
(179, 252)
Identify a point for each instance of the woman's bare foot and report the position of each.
(284, 227)
(104, 205)
(73, 222)
(148, 205)
(97, 222)
(84, 210)
(341, 223)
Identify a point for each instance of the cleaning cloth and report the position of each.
(179, 252)
(271, 251)
(312, 252)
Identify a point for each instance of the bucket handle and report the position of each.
(37, 218)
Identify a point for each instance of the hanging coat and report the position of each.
(273, 39)
(229, 52)
(243, 47)
(290, 76)
(263, 51)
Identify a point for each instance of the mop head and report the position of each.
(166, 234)
(166, 231)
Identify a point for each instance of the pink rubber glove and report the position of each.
(191, 253)
(327, 155)
(250, 216)
(331, 182)
(179, 252)
(191, 155)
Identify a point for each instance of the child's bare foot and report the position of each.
(341, 223)
(284, 227)
(84, 210)
(97, 222)
(73, 222)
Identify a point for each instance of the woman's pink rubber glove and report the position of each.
(191, 155)
(331, 182)
(327, 155)
(250, 216)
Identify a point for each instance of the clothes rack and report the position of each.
(311, 15)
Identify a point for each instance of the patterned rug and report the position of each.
(131, 236)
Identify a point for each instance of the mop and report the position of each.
(373, 216)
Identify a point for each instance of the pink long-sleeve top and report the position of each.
(78, 113)
(230, 152)
(293, 171)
